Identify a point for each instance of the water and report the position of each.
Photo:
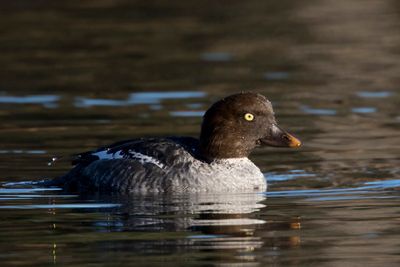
(78, 75)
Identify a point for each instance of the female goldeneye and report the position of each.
(216, 162)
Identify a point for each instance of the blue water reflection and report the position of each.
(318, 111)
(363, 110)
(48, 101)
(187, 113)
(377, 94)
(290, 175)
(62, 206)
(276, 75)
(20, 151)
(149, 98)
(216, 56)
(374, 189)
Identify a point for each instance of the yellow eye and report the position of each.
(248, 117)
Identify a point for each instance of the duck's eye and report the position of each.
(248, 117)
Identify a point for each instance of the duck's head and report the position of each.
(235, 125)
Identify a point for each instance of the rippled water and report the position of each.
(78, 75)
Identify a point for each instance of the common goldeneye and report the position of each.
(216, 162)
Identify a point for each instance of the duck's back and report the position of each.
(138, 165)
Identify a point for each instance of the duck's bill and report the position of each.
(280, 138)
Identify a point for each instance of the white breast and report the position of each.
(226, 175)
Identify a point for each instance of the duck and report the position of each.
(217, 161)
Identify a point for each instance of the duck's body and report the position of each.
(217, 162)
(161, 165)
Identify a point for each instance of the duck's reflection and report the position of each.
(238, 224)
(212, 221)
(210, 214)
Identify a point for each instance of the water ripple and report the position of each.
(374, 189)
(363, 110)
(148, 98)
(276, 75)
(49, 101)
(216, 56)
(63, 206)
(187, 113)
(291, 175)
(318, 111)
(382, 94)
(18, 151)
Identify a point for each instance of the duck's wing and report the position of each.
(158, 151)
(132, 165)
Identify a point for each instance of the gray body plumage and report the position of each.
(159, 166)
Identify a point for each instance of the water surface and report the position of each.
(78, 75)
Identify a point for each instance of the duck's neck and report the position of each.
(223, 147)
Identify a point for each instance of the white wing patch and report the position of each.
(145, 159)
(104, 154)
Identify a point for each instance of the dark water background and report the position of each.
(80, 74)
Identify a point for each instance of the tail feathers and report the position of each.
(72, 181)
(58, 181)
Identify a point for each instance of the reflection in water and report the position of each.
(145, 98)
(211, 222)
(318, 111)
(23, 151)
(208, 213)
(217, 222)
(48, 101)
(364, 110)
(216, 57)
(187, 113)
(380, 94)
(277, 75)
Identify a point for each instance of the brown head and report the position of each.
(235, 125)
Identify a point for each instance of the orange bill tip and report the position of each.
(293, 141)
